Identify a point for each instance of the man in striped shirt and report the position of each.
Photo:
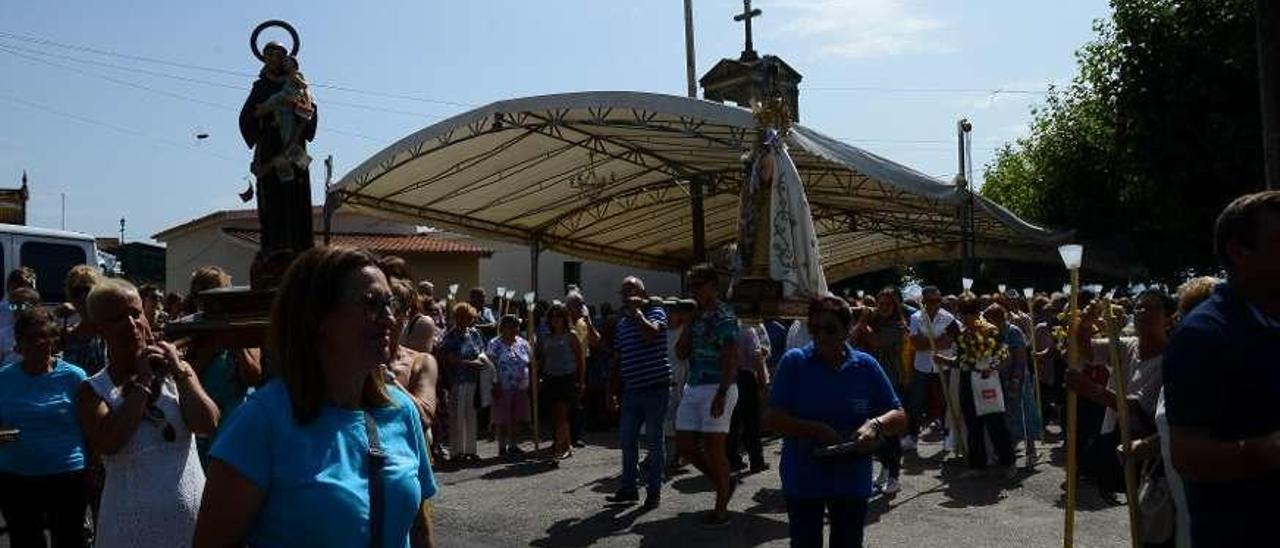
(645, 374)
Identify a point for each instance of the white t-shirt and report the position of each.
(1143, 382)
(798, 335)
(941, 321)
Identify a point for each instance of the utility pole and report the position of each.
(963, 127)
(695, 183)
(1268, 29)
(122, 231)
(690, 72)
(64, 210)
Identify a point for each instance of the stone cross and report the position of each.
(745, 17)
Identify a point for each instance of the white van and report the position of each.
(50, 253)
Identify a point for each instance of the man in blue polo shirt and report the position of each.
(641, 344)
(1222, 382)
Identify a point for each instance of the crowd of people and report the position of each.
(368, 382)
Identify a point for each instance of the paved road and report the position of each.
(528, 503)
(509, 502)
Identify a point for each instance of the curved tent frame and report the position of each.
(604, 175)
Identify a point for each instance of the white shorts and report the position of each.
(694, 414)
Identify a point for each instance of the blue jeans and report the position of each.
(848, 515)
(643, 406)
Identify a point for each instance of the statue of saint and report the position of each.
(277, 120)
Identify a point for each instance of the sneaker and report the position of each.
(891, 486)
(908, 443)
(579, 444)
(881, 479)
(712, 520)
(624, 496)
(565, 454)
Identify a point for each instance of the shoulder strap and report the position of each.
(376, 459)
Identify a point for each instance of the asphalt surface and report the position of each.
(527, 502)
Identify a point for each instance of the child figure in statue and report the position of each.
(291, 108)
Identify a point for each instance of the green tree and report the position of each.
(1156, 133)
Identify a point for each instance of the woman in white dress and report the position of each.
(139, 413)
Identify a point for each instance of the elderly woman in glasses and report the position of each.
(42, 471)
(833, 405)
(139, 413)
(328, 453)
(462, 351)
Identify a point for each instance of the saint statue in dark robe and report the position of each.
(283, 183)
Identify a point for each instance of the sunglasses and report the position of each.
(157, 417)
(375, 305)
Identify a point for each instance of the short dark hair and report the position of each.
(969, 304)
(510, 320)
(1239, 222)
(31, 320)
(704, 272)
(393, 266)
(1167, 301)
(835, 305)
(22, 276)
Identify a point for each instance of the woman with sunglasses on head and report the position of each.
(833, 405)
(82, 344)
(42, 471)
(139, 414)
(327, 453)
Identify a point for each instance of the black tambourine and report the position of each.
(293, 34)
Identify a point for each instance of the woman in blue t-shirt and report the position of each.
(326, 454)
(42, 470)
(834, 406)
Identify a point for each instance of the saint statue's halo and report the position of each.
(293, 34)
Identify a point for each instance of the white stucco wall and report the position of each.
(509, 267)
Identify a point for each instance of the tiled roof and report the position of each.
(384, 243)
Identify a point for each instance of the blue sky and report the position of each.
(116, 133)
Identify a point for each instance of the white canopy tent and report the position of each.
(604, 176)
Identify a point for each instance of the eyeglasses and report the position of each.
(377, 304)
(18, 307)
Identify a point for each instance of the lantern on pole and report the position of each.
(1072, 256)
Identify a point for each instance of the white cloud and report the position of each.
(859, 28)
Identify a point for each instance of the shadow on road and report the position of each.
(685, 529)
(521, 469)
(580, 533)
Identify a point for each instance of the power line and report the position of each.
(113, 127)
(189, 66)
(882, 89)
(166, 93)
(11, 49)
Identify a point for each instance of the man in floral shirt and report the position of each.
(710, 343)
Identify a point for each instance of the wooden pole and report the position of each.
(1033, 370)
(1268, 36)
(531, 334)
(1073, 361)
(956, 419)
(1122, 416)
